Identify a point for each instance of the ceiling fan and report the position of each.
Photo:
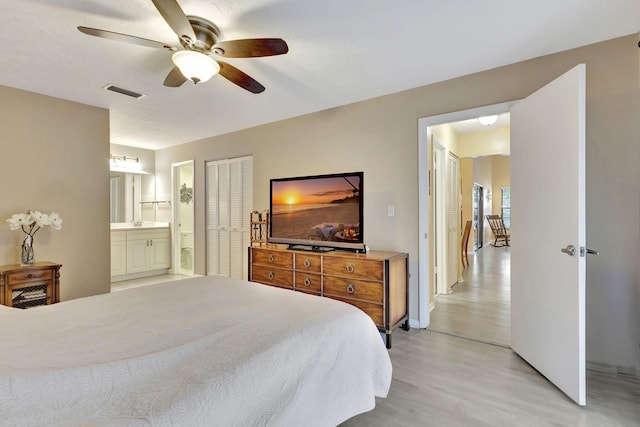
(199, 38)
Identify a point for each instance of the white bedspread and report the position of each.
(196, 352)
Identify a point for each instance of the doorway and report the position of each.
(476, 304)
(183, 218)
(536, 119)
(426, 182)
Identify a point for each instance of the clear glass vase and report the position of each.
(26, 256)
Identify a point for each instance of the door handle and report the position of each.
(584, 251)
(569, 250)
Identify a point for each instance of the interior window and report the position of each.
(506, 206)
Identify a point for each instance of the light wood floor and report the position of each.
(443, 380)
(479, 307)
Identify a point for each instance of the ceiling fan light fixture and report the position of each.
(488, 120)
(195, 66)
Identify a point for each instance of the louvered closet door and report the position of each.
(229, 203)
(453, 210)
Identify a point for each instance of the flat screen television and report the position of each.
(319, 213)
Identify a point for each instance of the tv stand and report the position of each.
(324, 249)
(376, 282)
(311, 248)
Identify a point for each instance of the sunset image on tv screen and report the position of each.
(316, 208)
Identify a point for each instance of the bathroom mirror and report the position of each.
(129, 192)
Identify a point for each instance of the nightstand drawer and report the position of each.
(308, 282)
(356, 289)
(29, 276)
(353, 267)
(272, 276)
(280, 259)
(308, 262)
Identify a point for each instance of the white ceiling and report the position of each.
(340, 51)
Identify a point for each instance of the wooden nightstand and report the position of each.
(30, 286)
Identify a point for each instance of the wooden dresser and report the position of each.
(30, 286)
(375, 282)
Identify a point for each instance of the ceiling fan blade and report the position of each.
(239, 78)
(124, 38)
(247, 48)
(175, 78)
(175, 17)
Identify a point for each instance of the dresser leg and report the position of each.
(387, 337)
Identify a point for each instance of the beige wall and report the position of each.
(500, 178)
(484, 143)
(55, 158)
(466, 187)
(379, 137)
(446, 136)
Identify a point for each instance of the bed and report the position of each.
(197, 352)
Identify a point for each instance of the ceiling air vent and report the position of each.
(122, 91)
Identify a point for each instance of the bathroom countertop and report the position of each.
(117, 226)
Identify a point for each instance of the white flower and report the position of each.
(18, 220)
(41, 219)
(55, 221)
(33, 221)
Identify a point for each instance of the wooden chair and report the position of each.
(465, 242)
(498, 229)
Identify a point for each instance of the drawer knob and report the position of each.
(29, 276)
(307, 262)
(351, 268)
(307, 281)
(271, 258)
(271, 275)
(351, 289)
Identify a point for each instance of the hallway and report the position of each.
(441, 379)
(479, 308)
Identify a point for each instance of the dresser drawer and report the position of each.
(353, 288)
(29, 276)
(353, 267)
(280, 259)
(308, 262)
(272, 276)
(308, 282)
(374, 311)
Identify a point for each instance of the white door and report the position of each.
(453, 219)
(440, 215)
(229, 204)
(548, 214)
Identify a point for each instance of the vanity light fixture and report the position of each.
(488, 120)
(125, 164)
